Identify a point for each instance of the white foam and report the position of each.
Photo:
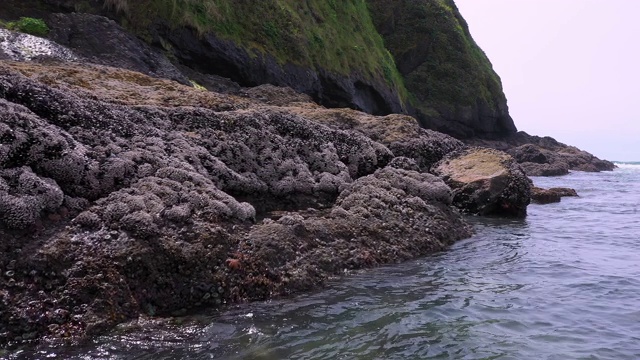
(624, 165)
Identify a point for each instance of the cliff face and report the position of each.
(381, 57)
(455, 88)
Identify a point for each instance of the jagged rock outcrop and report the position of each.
(122, 194)
(486, 182)
(400, 133)
(544, 156)
(211, 54)
(382, 218)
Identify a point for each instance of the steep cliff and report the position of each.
(454, 86)
(382, 57)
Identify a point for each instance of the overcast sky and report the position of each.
(570, 68)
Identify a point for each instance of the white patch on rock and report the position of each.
(25, 47)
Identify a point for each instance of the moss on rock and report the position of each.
(451, 80)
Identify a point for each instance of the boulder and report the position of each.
(485, 182)
(555, 169)
(24, 47)
(544, 196)
(553, 195)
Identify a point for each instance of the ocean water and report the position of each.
(564, 283)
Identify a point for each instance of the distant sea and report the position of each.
(562, 284)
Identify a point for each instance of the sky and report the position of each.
(570, 68)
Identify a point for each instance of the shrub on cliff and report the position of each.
(30, 26)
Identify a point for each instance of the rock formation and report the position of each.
(125, 189)
(122, 194)
(333, 52)
(548, 196)
(456, 90)
(485, 182)
(544, 156)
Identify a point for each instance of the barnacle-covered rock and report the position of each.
(486, 182)
(154, 204)
(389, 216)
(24, 196)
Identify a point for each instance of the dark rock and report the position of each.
(404, 163)
(389, 216)
(122, 194)
(555, 169)
(544, 156)
(563, 192)
(544, 196)
(400, 133)
(553, 195)
(463, 98)
(209, 54)
(102, 41)
(485, 182)
(529, 153)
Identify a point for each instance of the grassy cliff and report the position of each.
(416, 53)
(443, 67)
(336, 35)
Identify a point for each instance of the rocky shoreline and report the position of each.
(123, 194)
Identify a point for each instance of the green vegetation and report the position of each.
(336, 35)
(197, 86)
(29, 25)
(441, 64)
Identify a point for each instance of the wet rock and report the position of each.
(564, 192)
(389, 216)
(486, 182)
(555, 169)
(544, 156)
(120, 206)
(548, 196)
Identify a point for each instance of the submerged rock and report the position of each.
(485, 182)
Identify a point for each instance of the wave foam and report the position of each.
(628, 165)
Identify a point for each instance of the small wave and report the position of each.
(628, 164)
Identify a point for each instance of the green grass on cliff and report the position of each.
(441, 63)
(27, 25)
(336, 35)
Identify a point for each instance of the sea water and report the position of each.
(564, 283)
